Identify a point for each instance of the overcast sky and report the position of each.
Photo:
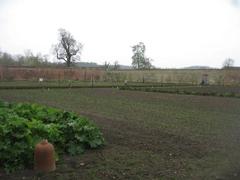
(177, 33)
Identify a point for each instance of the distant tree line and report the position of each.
(108, 66)
(28, 59)
(68, 51)
(39, 60)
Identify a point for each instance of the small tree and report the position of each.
(106, 65)
(138, 55)
(6, 59)
(116, 66)
(67, 49)
(139, 61)
(228, 63)
(32, 60)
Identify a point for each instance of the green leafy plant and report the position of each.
(23, 125)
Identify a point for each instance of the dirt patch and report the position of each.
(148, 135)
(120, 135)
(138, 138)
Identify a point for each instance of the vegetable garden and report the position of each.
(222, 91)
(23, 125)
(147, 135)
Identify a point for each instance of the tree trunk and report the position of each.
(68, 62)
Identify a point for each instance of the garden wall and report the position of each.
(30, 73)
(214, 76)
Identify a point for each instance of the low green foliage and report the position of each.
(23, 125)
(221, 91)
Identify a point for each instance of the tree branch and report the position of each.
(61, 58)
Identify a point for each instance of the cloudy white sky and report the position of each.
(177, 33)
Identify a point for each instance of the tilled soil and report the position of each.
(142, 149)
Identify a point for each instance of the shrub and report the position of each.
(23, 125)
(229, 94)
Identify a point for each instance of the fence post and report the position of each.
(92, 80)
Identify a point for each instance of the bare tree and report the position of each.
(67, 49)
(228, 63)
(106, 65)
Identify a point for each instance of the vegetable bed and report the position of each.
(221, 91)
(23, 125)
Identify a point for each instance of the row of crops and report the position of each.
(222, 91)
(77, 84)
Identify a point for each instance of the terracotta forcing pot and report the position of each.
(44, 160)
